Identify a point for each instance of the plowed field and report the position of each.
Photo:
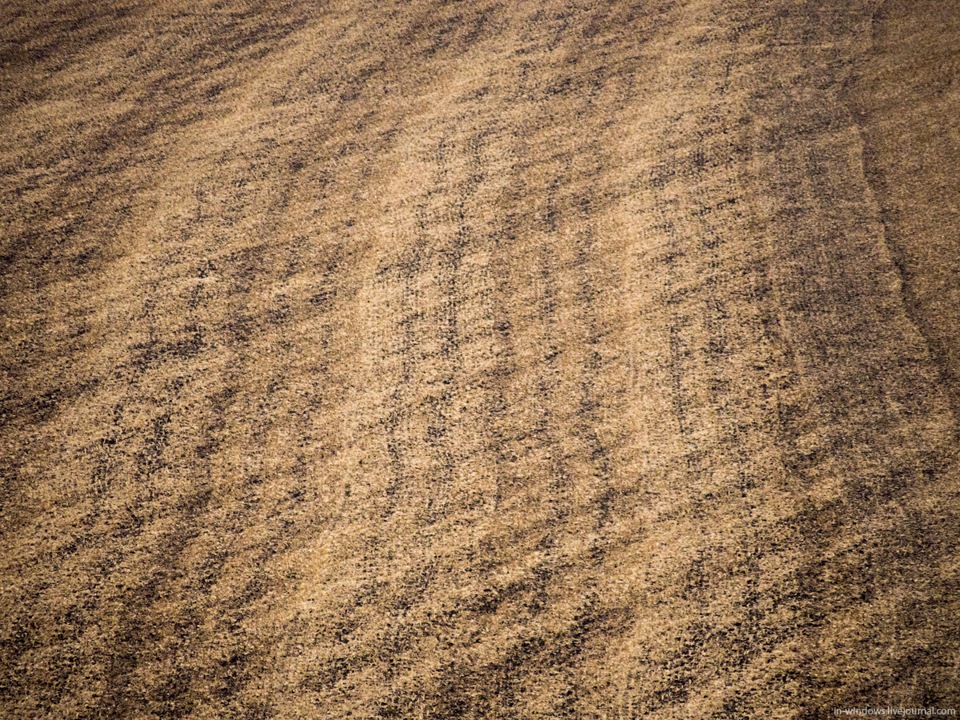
(482, 359)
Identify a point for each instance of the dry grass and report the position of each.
(476, 359)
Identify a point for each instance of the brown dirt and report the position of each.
(479, 359)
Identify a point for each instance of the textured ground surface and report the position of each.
(479, 359)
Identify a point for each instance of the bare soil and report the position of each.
(436, 359)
